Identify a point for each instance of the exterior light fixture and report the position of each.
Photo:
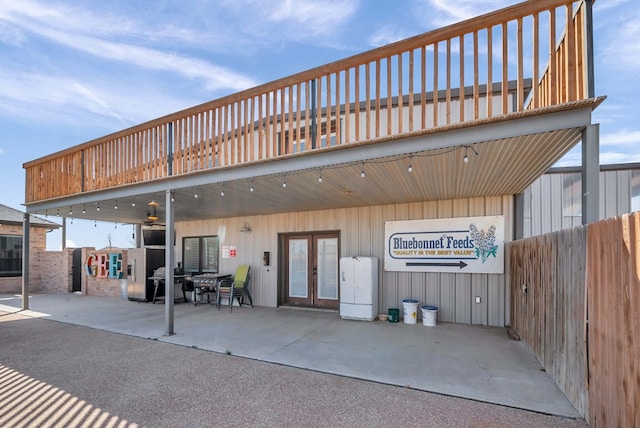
(320, 177)
(284, 181)
(152, 215)
(410, 169)
(466, 157)
(84, 209)
(362, 174)
(133, 204)
(115, 207)
(71, 210)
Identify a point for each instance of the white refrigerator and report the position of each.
(359, 288)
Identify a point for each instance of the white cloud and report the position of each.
(85, 102)
(100, 37)
(439, 13)
(621, 137)
(386, 35)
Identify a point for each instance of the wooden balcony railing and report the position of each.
(376, 94)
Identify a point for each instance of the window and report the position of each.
(10, 255)
(200, 254)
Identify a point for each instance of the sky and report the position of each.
(72, 71)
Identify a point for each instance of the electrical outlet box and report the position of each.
(477, 299)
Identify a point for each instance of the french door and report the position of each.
(311, 266)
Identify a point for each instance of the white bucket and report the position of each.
(429, 315)
(410, 308)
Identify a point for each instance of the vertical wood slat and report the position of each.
(476, 82)
(423, 89)
(368, 101)
(536, 61)
(378, 97)
(553, 87)
(436, 87)
(389, 98)
(505, 68)
(462, 86)
(307, 115)
(357, 104)
(290, 119)
(337, 114)
(328, 108)
(520, 79)
(282, 149)
(400, 106)
(411, 101)
(347, 107)
(448, 88)
(490, 72)
(319, 113)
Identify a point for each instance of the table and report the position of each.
(206, 283)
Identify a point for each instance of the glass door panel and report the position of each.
(327, 262)
(299, 268)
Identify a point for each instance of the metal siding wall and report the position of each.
(362, 233)
(552, 200)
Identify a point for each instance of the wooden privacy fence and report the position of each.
(575, 302)
(386, 91)
(547, 275)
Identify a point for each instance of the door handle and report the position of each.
(343, 277)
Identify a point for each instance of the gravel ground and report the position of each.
(60, 375)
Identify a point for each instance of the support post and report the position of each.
(64, 233)
(26, 229)
(591, 174)
(169, 257)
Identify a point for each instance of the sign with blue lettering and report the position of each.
(454, 245)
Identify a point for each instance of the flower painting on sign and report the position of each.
(484, 242)
(456, 245)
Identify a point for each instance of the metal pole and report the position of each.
(64, 233)
(590, 174)
(169, 257)
(26, 226)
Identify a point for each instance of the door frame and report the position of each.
(282, 262)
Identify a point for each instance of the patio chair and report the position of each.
(236, 289)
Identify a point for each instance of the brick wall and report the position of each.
(57, 271)
(38, 242)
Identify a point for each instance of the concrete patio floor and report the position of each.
(479, 363)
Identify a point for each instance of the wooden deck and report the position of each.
(456, 74)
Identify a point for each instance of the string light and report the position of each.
(465, 159)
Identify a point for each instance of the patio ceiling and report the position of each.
(504, 157)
